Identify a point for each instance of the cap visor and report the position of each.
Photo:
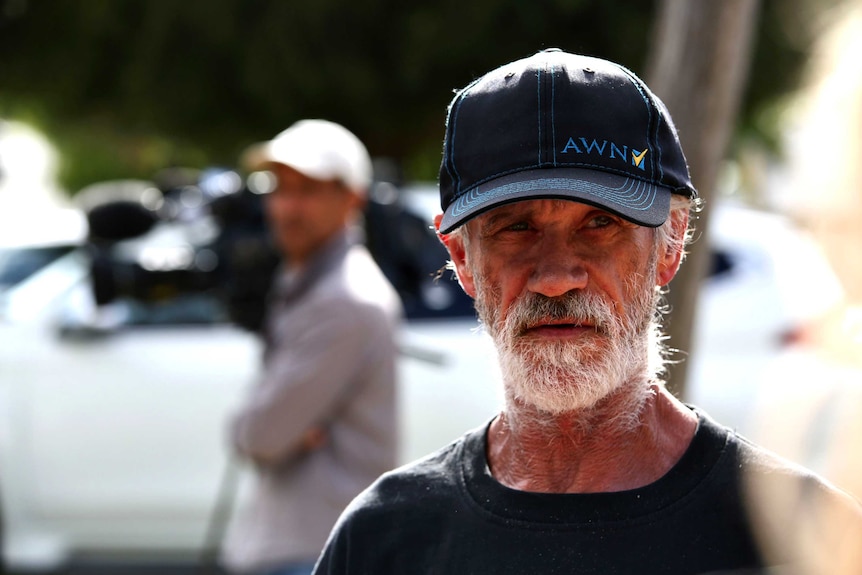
(636, 200)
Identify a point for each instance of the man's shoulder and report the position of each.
(771, 482)
(435, 471)
(423, 484)
(353, 290)
(740, 453)
(800, 515)
(357, 282)
(771, 474)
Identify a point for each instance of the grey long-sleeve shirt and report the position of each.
(330, 361)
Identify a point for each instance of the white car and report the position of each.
(112, 418)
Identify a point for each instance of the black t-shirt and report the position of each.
(447, 515)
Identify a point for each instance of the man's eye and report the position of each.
(601, 221)
(517, 227)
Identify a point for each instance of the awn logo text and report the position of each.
(614, 151)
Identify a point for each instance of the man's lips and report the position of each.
(559, 328)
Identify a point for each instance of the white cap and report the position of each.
(319, 149)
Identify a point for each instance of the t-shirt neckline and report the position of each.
(490, 496)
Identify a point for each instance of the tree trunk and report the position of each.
(698, 67)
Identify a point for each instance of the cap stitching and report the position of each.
(553, 118)
(539, 115)
(450, 151)
(656, 163)
(631, 193)
(659, 148)
(641, 200)
(450, 164)
(584, 165)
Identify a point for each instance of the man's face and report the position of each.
(568, 292)
(304, 213)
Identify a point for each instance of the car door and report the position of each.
(119, 417)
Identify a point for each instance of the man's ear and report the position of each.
(670, 259)
(458, 255)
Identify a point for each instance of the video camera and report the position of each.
(190, 232)
(187, 232)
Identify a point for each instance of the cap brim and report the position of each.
(636, 200)
(256, 157)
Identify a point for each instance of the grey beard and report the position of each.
(574, 377)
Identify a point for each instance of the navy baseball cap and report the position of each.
(560, 125)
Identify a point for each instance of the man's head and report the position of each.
(321, 176)
(556, 185)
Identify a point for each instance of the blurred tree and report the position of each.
(134, 85)
(699, 68)
(701, 56)
(127, 87)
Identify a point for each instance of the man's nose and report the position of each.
(287, 201)
(557, 270)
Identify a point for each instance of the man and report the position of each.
(320, 425)
(565, 198)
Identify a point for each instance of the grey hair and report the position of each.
(666, 235)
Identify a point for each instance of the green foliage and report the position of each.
(126, 87)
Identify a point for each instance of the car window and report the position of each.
(17, 264)
(720, 263)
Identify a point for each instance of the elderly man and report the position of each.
(566, 199)
(321, 424)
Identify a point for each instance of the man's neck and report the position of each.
(579, 453)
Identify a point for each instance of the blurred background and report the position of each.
(124, 347)
(125, 89)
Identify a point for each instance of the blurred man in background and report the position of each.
(320, 425)
(566, 200)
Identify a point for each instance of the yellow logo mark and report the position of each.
(638, 158)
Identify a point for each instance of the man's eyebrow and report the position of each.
(494, 217)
